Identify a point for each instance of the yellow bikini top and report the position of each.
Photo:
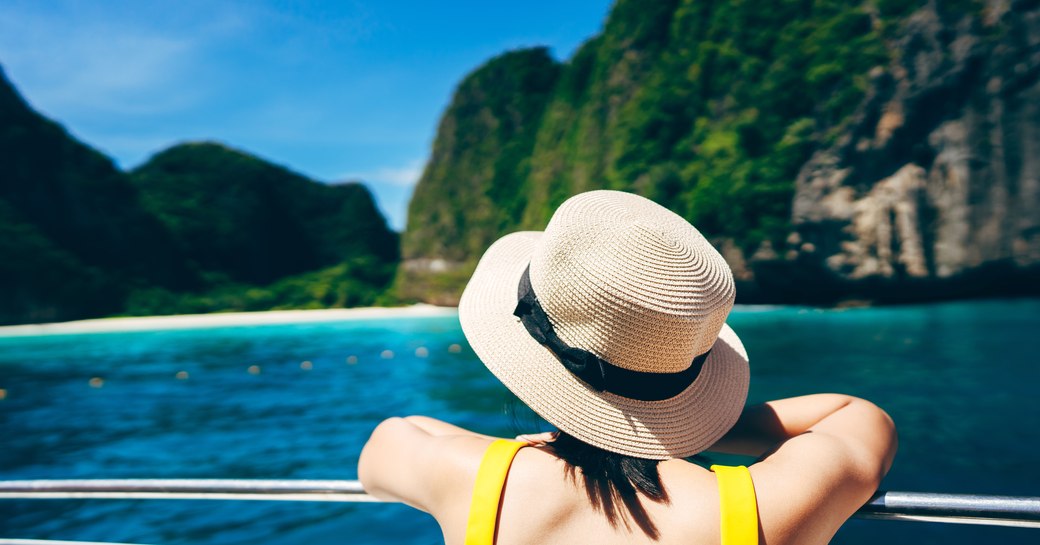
(737, 503)
(738, 506)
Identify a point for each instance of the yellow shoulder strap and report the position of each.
(487, 491)
(737, 504)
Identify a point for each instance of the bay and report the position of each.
(959, 379)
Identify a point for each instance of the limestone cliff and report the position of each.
(877, 150)
(934, 189)
(472, 189)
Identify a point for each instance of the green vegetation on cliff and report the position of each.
(709, 107)
(74, 239)
(473, 185)
(45, 282)
(235, 215)
(719, 125)
(261, 236)
(198, 228)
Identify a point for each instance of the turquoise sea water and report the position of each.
(959, 379)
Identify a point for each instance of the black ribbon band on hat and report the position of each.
(599, 374)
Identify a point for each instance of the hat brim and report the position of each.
(676, 427)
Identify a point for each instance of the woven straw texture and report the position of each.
(633, 283)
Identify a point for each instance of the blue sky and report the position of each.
(333, 90)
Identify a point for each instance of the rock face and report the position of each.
(934, 190)
(834, 151)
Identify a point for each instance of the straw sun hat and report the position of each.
(611, 325)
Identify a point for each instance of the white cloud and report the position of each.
(132, 84)
(81, 59)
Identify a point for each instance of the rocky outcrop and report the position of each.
(709, 108)
(835, 151)
(471, 189)
(934, 190)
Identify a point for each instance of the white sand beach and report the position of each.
(224, 319)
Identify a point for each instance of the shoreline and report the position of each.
(280, 317)
(222, 319)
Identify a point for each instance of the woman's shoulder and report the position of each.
(423, 462)
(813, 482)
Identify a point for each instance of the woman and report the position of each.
(611, 326)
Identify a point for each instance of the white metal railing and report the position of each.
(57, 542)
(919, 506)
(187, 489)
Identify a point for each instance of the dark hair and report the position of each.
(611, 479)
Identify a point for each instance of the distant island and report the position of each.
(835, 153)
(198, 228)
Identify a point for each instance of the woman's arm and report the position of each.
(433, 426)
(761, 428)
(417, 460)
(827, 454)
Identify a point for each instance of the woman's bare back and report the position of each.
(828, 455)
(542, 500)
